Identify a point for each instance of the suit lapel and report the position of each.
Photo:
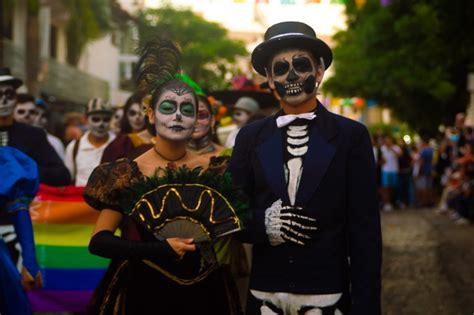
(270, 155)
(320, 153)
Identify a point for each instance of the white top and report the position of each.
(230, 141)
(57, 144)
(390, 155)
(87, 158)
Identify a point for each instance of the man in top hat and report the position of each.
(244, 109)
(31, 140)
(310, 177)
(83, 155)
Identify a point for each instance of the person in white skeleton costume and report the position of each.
(310, 177)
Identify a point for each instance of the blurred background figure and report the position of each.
(390, 154)
(203, 141)
(42, 120)
(25, 109)
(116, 119)
(84, 154)
(244, 109)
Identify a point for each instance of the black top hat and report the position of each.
(7, 78)
(289, 35)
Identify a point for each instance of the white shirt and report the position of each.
(390, 155)
(56, 144)
(230, 142)
(87, 158)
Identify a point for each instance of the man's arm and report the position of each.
(364, 235)
(243, 177)
(52, 170)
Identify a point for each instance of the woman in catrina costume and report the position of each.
(178, 203)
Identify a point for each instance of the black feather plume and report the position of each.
(158, 63)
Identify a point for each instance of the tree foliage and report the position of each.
(412, 56)
(89, 20)
(208, 55)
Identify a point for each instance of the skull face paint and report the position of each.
(136, 117)
(99, 124)
(7, 100)
(40, 120)
(203, 123)
(175, 114)
(293, 75)
(25, 113)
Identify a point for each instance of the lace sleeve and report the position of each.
(107, 181)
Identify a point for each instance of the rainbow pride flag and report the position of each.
(63, 225)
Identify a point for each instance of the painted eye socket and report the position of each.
(167, 107)
(203, 114)
(187, 109)
(281, 67)
(302, 64)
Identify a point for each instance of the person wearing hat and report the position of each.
(84, 154)
(28, 139)
(244, 109)
(310, 178)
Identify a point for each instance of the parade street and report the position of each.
(427, 265)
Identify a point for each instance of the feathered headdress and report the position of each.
(158, 63)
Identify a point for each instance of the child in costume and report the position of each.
(18, 186)
(151, 271)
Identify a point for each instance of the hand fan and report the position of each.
(186, 210)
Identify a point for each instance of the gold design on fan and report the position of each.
(172, 190)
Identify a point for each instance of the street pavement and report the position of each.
(428, 265)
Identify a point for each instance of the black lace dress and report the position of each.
(136, 286)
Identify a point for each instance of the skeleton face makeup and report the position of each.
(7, 100)
(203, 123)
(175, 114)
(136, 117)
(241, 117)
(99, 124)
(25, 113)
(293, 75)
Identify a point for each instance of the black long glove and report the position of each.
(106, 244)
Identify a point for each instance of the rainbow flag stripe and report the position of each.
(63, 225)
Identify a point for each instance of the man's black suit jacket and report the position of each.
(338, 188)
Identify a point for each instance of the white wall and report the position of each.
(101, 59)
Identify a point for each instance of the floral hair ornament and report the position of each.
(146, 104)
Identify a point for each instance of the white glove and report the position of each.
(288, 224)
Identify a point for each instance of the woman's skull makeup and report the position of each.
(204, 121)
(25, 113)
(136, 118)
(175, 114)
(99, 124)
(293, 75)
(7, 100)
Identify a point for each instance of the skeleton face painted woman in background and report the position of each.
(295, 75)
(116, 119)
(136, 117)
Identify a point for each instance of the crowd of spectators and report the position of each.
(428, 173)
